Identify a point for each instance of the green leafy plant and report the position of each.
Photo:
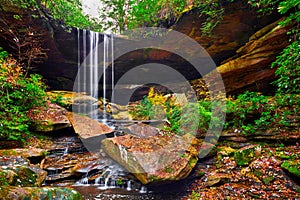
(67, 11)
(3, 54)
(251, 112)
(288, 71)
(181, 119)
(18, 94)
(120, 15)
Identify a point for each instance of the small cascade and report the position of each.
(143, 189)
(66, 151)
(95, 57)
(96, 68)
(129, 187)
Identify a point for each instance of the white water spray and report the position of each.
(93, 63)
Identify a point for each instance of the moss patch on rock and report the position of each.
(36, 193)
(292, 166)
(246, 155)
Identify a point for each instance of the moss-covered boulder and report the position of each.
(68, 99)
(16, 171)
(50, 118)
(36, 193)
(292, 166)
(24, 152)
(246, 155)
(217, 179)
(161, 158)
(24, 176)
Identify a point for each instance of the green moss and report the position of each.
(246, 156)
(3, 179)
(8, 152)
(36, 193)
(292, 167)
(257, 173)
(267, 180)
(200, 173)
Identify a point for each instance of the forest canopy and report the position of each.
(120, 15)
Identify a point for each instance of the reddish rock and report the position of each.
(49, 118)
(250, 68)
(156, 159)
(86, 127)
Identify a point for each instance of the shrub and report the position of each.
(182, 119)
(253, 111)
(18, 94)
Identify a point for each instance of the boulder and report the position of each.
(217, 179)
(143, 130)
(49, 118)
(35, 193)
(26, 153)
(87, 127)
(17, 171)
(68, 99)
(246, 155)
(160, 158)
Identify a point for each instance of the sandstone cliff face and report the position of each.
(250, 68)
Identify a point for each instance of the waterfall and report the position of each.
(95, 56)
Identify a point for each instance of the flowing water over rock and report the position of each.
(96, 176)
(81, 163)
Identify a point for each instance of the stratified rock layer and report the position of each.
(250, 68)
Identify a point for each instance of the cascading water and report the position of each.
(93, 63)
(95, 57)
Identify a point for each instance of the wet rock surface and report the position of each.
(263, 176)
(26, 153)
(50, 118)
(12, 193)
(87, 127)
(163, 157)
(17, 171)
(96, 176)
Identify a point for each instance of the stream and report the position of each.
(97, 176)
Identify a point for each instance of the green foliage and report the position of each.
(18, 94)
(212, 12)
(265, 7)
(181, 119)
(288, 71)
(3, 54)
(3, 180)
(120, 15)
(195, 195)
(68, 11)
(293, 8)
(252, 111)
